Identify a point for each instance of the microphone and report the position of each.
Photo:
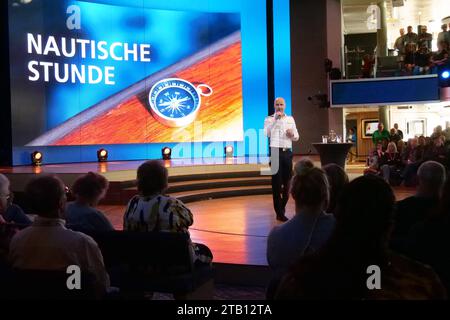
(277, 116)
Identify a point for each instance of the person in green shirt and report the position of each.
(380, 134)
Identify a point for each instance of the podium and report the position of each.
(333, 153)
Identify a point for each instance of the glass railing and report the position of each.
(361, 62)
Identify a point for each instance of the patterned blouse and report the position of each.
(157, 213)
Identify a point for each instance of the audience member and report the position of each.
(81, 214)
(400, 43)
(374, 159)
(422, 60)
(351, 138)
(337, 179)
(410, 37)
(444, 36)
(10, 212)
(308, 230)
(47, 244)
(340, 269)
(394, 136)
(151, 210)
(367, 66)
(391, 165)
(425, 38)
(380, 134)
(400, 132)
(400, 147)
(437, 151)
(429, 241)
(412, 159)
(440, 58)
(410, 57)
(437, 132)
(415, 209)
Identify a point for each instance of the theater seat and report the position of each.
(48, 284)
(154, 262)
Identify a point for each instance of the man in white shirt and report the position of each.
(47, 244)
(281, 130)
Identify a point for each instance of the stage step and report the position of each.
(212, 193)
(201, 177)
(199, 187)
(218, 183)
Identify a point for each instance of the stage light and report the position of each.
(445, 75)
(36, 158)
(166, 153)
(228, 151)
(102, 155)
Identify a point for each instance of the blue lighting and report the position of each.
(445, 74)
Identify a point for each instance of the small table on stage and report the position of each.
(333, 152)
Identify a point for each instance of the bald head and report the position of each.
(431, 176)
(280, 105)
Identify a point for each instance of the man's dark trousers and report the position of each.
(281, 180)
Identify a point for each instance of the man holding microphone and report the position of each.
(281, 130)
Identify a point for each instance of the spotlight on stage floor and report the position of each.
(228, 151)
(166, 153)
(102, 155)
(36, 158)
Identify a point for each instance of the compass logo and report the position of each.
(176, 102)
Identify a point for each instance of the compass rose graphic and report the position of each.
(175, 102)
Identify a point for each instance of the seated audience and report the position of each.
(391, 165)
(373, 162)
(340, 269)
(422, 59)
(151, 210)
(367, 66)
(437, 132)
(81, 214)
(47, 244)
(400, 147)
(394, 136)
(415, 209)
(9, 212)
(410, 57)
(440, 58)
(337, 179)
(437, 151)
(429, 241)
(308, 230)
(412, 159)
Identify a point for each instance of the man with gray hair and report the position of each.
(415, 209)
(47, 244)
(9, 212)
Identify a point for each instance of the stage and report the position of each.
(230, 199)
